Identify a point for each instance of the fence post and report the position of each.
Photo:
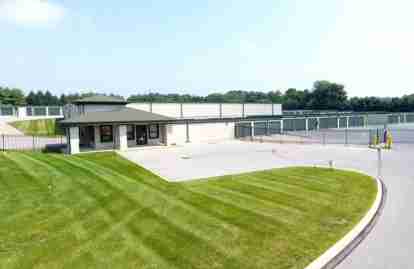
(281, 126)
(187, 132)
(267, 128)
(324, 138)
(3, 148)
(221, 110)
(346, 137)
(306, 125)
(347, 122)
(252, 130)
(33, 143)
(379, 163)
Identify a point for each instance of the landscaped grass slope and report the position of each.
(101, 211)
(43, 127)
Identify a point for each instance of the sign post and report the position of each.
(379, 163)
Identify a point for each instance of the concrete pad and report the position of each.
(195, 161)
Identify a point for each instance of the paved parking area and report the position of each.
(389, 245)
(195, 161)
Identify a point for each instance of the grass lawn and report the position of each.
(102, 211)
(44, 127)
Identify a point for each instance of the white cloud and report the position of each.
(31, 12)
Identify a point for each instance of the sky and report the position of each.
(200, 47)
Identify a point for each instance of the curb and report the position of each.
(344, 247)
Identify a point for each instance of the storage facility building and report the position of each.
(103, 122)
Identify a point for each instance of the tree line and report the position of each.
(324, 95)
(16, 97)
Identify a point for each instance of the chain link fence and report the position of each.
(329, 130)
(7, 111)
(328, 136)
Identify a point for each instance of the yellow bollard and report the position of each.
(389, 141)
(376, 140)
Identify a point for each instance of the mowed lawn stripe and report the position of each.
(277, 211)
(60, 225)
(170, 198)
(317, 181)
(115, 214)
(171, 228)
(304, 200)
(243, 216)
(272, 195)
(209, 205)
(268, 180)
(285, 224)
(94, 216)
(194, 219)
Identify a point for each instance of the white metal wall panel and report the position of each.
(232, 110)
(140, 106)
(170, 110)
(176, 134)
(204, 132)
(277, 109)
(201, 110)
(200, 132)
(257, 109)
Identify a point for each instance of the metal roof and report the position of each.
(123, 115)
(100, 99)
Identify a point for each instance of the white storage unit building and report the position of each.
(109, 123)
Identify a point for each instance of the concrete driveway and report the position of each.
(391, 242)
(194, 161)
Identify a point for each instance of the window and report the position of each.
(153, 131)
(106, 133)
(131, 132)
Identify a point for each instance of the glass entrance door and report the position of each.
(141, 134)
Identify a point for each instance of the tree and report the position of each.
(30, 98)
(275, 97)
(11, 96)
(327, 95)
(295, 99)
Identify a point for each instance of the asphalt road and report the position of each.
(391, 242)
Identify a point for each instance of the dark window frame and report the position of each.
(131, 135)
(106, 138)
(151, 136)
